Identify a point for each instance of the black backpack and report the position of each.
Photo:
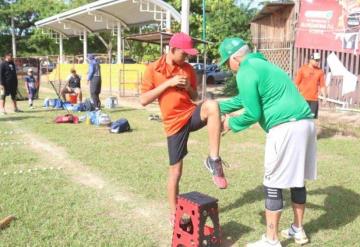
(120, 125)
(88, 105)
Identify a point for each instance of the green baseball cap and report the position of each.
(228, 47)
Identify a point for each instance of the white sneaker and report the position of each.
(264, 242)
(299, 235)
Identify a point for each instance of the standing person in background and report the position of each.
(309, 80)
(94, 78)
(30, 85)
(8, 82)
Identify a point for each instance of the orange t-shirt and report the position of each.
(175, 103)
(309, 80)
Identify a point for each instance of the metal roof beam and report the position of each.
(117, 19)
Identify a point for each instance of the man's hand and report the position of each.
(1, 86)
(225, 124)
(178, 81)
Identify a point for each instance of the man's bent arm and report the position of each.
(151, 95)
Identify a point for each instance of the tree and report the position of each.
(223, 19)
(26, 13)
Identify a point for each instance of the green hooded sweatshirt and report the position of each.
(267, 94)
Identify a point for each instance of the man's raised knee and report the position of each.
(211, 106)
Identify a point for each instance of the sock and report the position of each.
(214, 158)
(296, 229)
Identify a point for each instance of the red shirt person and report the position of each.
(310, 80)
(173, 82)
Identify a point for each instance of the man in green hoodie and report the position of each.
(269, 97)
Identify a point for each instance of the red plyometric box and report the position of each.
(192, 231)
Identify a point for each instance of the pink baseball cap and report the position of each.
(184, 42)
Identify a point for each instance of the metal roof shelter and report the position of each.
(158, 38)
(112, 15)
(269, 9)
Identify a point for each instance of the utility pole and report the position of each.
(185, 9)
(13, 37)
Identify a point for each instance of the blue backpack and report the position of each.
(120, 125)
(58, 104)
(79, 107)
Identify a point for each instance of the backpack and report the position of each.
(88, 105)
(58, 104)
(68, 118)
(91, 115)
(51, 103)
(46, 102)
(120, 125)
(67, 106)
(103, 119)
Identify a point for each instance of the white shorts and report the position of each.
(290, 154)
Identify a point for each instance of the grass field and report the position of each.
(78, 185)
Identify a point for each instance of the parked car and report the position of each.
(129, 60)
(214, 75)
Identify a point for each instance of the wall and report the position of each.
(112, 77)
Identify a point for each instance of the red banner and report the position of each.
(329, 25)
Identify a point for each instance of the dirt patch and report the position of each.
(148, 214)
(326, 130)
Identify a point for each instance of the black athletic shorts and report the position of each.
(12, 93)
(314, 106)
(177, 143)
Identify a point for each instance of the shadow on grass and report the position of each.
(16, 118)
(327, 132)
(251, 196)
(231, 232)
(341, 205)
(39, 110)
(121, 110)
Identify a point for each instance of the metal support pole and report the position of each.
(85, 46)
(185, 9)
(168, 22)
(168, 28)
(119, 43)
(204, 20)
(161, 44)
(61, 49)
(203, 93)
(13, 37)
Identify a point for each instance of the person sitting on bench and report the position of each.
(72, 86)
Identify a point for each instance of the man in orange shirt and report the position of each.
(173, 82)
(309, 79)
